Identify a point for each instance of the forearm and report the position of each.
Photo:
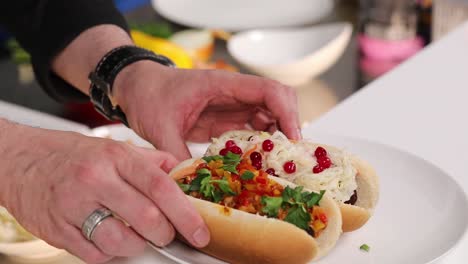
(8, 132)
(82, 55)
(46, 27)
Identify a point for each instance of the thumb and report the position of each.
(170, 139)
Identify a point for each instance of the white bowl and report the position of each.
(243, 14)
(34, 251)
(291, 55)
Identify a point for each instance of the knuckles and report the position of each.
(113, 150)
(86, 174)
(87, 170)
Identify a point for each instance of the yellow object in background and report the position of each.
(163, 47)
(199, 44)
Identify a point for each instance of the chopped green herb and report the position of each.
(298, 216)
(206, 187)
(230, 168)
(288, 195)
(299, 196)
(364, 247)
(217, 195)
(230, 161)
(271, 205)
(315, 199)
(210, 158)
(224, 186)
(201, 175)
(231, 158)
(203, 171)
(185, 187)
(247, 175)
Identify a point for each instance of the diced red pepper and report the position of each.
(323, 218)
(251, 181)
(202, 166)
(261, 180)
(235, 177)
(243, 198)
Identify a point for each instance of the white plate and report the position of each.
(243, 14)
(421, 215)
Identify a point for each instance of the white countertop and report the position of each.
(420, 107)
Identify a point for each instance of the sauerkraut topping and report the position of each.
(338, 178)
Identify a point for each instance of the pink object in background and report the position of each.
(385, 50)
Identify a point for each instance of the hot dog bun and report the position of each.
(354, 216)
(240, 237)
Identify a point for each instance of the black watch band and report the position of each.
(102, 78)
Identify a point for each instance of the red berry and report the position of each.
(257, 164)
(317, 169)
(324, 162)
(320, 152)
(267, 145)
(230, 144)
(255, 156)
(236, 150)
(289, 167)
(223, 152)
(271, 171)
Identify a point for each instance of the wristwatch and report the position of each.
(102, 78)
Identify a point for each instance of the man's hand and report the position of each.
(168, 106)
(52, 181)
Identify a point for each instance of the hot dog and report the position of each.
(254, 217)
(350, 181)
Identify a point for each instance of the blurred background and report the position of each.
(326, 49)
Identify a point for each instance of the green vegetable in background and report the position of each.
(18, 54)
(155, 29)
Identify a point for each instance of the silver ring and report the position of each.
(93, 221)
